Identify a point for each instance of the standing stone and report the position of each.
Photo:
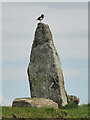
(44, 70)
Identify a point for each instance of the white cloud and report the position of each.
(0, 99)
(72, 73)
(16, 50)
(72, 48)
(0, 36)
(69, 73)
(4, 101)
(69, 21)
(15, 74)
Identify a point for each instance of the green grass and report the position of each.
(69, 111)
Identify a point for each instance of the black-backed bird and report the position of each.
(40, 18)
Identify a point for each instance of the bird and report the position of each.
(40, 18)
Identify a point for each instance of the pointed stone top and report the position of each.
(42, 34)
(42, 24)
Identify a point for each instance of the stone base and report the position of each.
(34, 103)
(74, 99)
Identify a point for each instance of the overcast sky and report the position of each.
(69, 26)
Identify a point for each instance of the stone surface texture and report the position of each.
(74, 99)
(34, 103)
(44, 70)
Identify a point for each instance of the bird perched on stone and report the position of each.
(40, 18)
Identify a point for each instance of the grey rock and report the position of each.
(44, 70)
(34, 103)
(74, 99)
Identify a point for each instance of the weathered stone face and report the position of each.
(44, 70)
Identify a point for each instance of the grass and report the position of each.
(69, 111)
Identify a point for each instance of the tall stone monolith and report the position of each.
(44, 70)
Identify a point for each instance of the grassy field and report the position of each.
(69, 111)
